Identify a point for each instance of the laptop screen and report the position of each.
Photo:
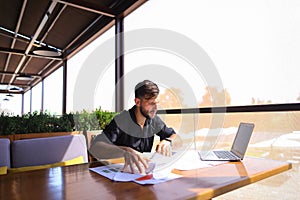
(242, 139)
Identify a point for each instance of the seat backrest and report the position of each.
(4, 152)
(41, 151)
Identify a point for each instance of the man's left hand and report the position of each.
(164, 147)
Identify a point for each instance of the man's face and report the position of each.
(148, 107)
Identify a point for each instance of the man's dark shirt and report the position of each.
(124, 130)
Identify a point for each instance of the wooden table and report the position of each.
(78, 182)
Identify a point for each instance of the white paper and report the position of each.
(190, 160)
(113, 172)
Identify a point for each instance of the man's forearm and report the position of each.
(176, 141)
(103, 150)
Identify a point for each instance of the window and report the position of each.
(11, 104)
(247, 51)
(91, 76)
(53, 91)
(27, 102)
(37, 98)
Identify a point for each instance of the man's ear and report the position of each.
(137, 102)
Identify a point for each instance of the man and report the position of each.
(132, 132)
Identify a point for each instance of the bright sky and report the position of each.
(253, 44)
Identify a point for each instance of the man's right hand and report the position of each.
(134, 162)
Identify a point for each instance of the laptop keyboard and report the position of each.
(225, 155)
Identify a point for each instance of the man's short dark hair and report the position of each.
(146, 89)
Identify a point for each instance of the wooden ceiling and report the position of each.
(62, 25)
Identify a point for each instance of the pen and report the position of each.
(143, 178)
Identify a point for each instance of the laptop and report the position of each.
(238, 148)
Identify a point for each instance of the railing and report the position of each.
(232, 109)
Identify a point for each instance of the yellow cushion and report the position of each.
(28, 168)
(74, 161)
(77, 160)
(3, 170)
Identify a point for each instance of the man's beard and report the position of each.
(146, 115)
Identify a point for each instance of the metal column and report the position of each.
(119, 64)
(43, 95)
(64, 96)
(22, 107)
(30, 100)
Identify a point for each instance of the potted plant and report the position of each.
(31, 125)
(44, 124)
(92, 123)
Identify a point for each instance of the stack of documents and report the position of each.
(183, 160)
(113, 172)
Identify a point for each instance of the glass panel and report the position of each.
(53, 91)
(91, 76)
(27, 102)
(267, 127)
(250, 48)
(276, 136)
(37, 98)
(11, 104)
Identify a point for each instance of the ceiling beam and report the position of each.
(95, 8)
(53, 23)
(16, 31)
(12, 51)
(132, 8)
(50, 68)
(16, 37)
(11, 74)
(35, 36)
(23, 53)
(97, 33)
(10, 92)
